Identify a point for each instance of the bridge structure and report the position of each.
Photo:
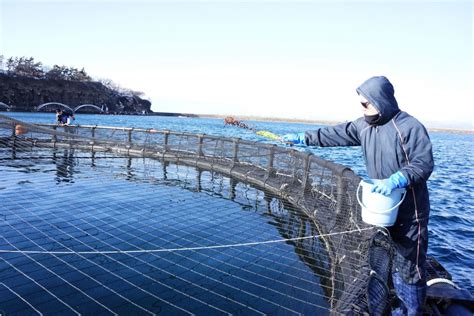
(54, 105)
(4, 105)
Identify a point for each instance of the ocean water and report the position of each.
(451, 185)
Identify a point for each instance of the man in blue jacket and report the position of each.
(397, 149)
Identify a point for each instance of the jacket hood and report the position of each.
(380, 93)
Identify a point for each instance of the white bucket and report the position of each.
(378, 209)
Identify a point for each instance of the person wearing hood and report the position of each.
(397, 149)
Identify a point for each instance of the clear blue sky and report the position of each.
(293, 59)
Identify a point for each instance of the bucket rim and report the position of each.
(402, 191)
(371, 183)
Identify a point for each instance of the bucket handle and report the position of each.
(384, 211)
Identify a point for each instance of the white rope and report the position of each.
(180, 249)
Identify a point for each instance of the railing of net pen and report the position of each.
(324, 190)
(255, 162)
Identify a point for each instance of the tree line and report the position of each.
(28, 67)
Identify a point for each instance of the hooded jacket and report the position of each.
(396, 142)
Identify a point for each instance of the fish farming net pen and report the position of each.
(116, 220)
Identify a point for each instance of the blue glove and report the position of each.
(386, 186)
(294, 138)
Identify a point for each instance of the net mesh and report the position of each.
(123, 220)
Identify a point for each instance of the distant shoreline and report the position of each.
(276, 119)
(317, 122)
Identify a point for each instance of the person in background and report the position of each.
(59, 112)
(70, 117)
(63, 118)
(397, 149)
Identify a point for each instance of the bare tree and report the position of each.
(114, 86)
(25, 66)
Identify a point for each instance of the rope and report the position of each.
(182, 249)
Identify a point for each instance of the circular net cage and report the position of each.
(108, 220)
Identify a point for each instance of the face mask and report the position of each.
(372, 119)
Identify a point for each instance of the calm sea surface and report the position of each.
(451, 184)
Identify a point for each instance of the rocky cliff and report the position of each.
(25, 94)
